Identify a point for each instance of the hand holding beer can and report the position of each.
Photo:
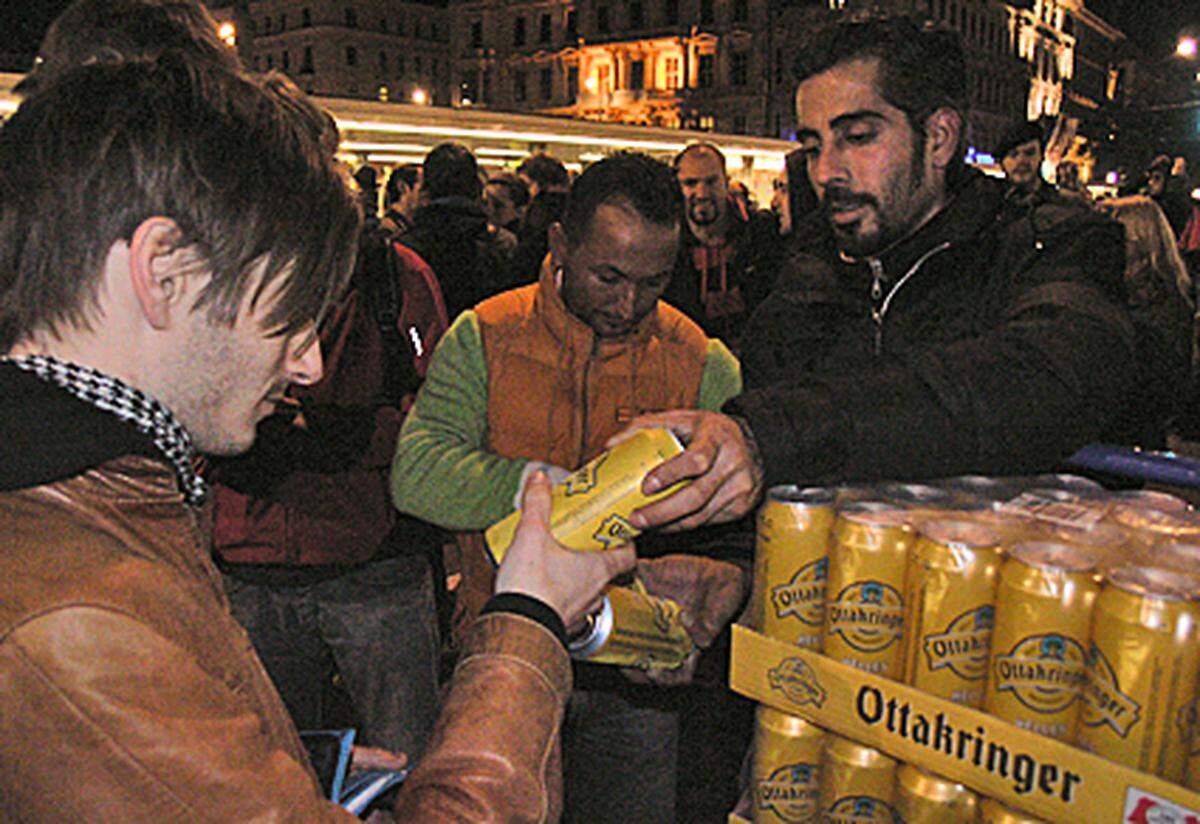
(590, 509)
(633, 629)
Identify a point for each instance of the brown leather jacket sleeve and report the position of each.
(105, 718)
(495, 754)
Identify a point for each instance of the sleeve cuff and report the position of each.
(530, 608)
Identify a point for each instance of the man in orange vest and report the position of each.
(540, 377)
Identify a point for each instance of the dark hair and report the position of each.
(692, 148)
(450, 170)
(922, 67)
(544, 170)
(644, 184)
(108, 31)
(1161, 164)
(518, 190)
(101, 148)
(408, 174)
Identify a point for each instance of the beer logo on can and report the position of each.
(1103, 701)
(861, 809)
(660, 615)
(1044, 672)
(796, 680)
(804, 595)
(583, 480)
(790, 791)
(963, 646)
(614, 531)
(869, 615)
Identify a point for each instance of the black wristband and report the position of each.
(529, 607)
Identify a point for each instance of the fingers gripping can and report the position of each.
(786, 767)
(950, 593)
(634, 629)
(925, 798)
(864, 596)
(1040, 639)
(858, 783)
(1143, 670)
(791, 563)
(590, 510)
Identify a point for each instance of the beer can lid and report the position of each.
(928, 785)
(874, 513)
(1158, 521)
(1154, 582)
(915, 494)
(786, 723)
(589, 642)
(1180, 551)
(1099, 535)
(1051, 493)
(1054, 556)
(845, 750)
(1151, 499)
(802, 495)
(1069, 483)
(952, 532)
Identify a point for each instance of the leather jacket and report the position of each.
(129, 693)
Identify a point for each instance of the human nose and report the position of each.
(825, 166)
(305, 365)
(625, 300)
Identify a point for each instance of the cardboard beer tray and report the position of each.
(1046, 778)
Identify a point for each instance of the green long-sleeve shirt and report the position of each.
(443, 474)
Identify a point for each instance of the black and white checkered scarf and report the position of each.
(129, 404)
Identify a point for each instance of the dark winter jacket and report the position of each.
(719, 286)
(452, 235)
(991, 341)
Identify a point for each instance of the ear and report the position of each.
(943, 129)
(161, 270)
(557, 237)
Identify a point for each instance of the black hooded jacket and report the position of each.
(990, 341)
(451, 234)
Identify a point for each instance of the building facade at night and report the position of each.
(366, 49)
(711, 65)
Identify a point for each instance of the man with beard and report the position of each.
(918, 331)
(728, 257)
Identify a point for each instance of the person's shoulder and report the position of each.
(674, 326)
(508, 307)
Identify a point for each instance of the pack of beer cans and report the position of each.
(1050, 602)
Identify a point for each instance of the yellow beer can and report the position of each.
(949, 599)
(786, 768)
(1143, 670)
(590, 509)
(791, 564)
(917, 498)
(925, 798)
(1149, 499)
(1040, 639)
(992, 811)
(858, 783)
(1109, 543)
(1161, 524)
(633, 629)
(864, 596)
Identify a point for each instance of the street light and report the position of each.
(228, 33)
(1186, 48)
(419, 97)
